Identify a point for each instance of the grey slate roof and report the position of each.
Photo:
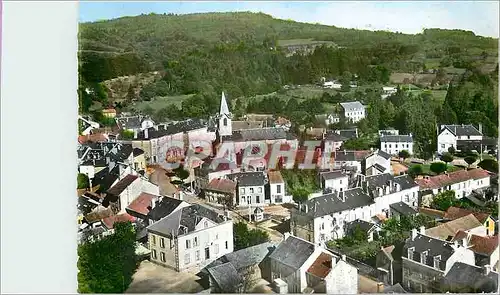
(333, 174)
(348, 133)
(403, 208)
(163, 208)
(383, 154)
(352, 106)
(466, 278)
(186, 126)
(396, 138)
(248, 178)
(133, 122)
(344, 156)
(434, 247)
(333, 136)
(332, 203)
(293, 252)
(226, 277)
(405, 181)
(184, 221)
(462, 130)
(378, 167)
(260, 134)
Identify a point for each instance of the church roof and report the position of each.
(224, 109)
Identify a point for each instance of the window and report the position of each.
(195, 241)
(216, 249)
(340, 181)
(197, 255)
(322, 226)
(153, 254)
(389, 145)
(225, 121)
(278, 189)
(187, 258)
(410, 253)
(154, 159)
(153, 239)
(227, 246)
(162, 257)
(242, 190)
(136, 166)
(205, 224)
(162, 242)
(216, 236)
(207, 253)
(251, 190)
(260, 190)
(442, 146)
(188, 244)
(243, 199)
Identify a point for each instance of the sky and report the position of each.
(481, 17)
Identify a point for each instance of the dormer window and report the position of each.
(205, 224)
(423, 257)
(437, 259)
(410, 253)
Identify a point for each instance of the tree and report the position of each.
(301, 194)
(470, 159)
(415, 170)
(82, 181)
(447, 158)
(244, 238)
(404, 154)
(451, 150)
(438, 167)
(107, 265)
(444, 200)
(489, 164)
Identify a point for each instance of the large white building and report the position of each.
(353, 111)
(324, 218)
(393, 144)
(454, 135)
(190, 238)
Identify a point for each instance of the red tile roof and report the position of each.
(455, 213)
(121, 185)
(222, 185)
(95, 137)
(485, 245)
(431, 212)
(109, 111)
(110, 221)
(141, 203)
(443, 180)
(321, 266)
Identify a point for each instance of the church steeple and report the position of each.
(224, 109)
(225, 126)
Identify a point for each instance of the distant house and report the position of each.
(485, 248)
(134, 123)
(350, 160)
(378, 162)
(191, 237)
(139, 160)
(485, 219)
(277, 193)
(446, 231)
(210, 170)
(388, 91)
(427, 260)
(337, 180)
(128, 189)
(457, 135)
(466, 278)
(388, 132)
(462, 182)
(109, 113)
(298, 266)
(221, 191)
(393, 144)
(328, 119)
(389, 264)
(332, 85)
(163, 207)
(401, 209)
(369, 228)
(250, 188)
(353, 111)
(333, 140)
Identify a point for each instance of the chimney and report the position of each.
(307, 208)
(343, 257)
(411, 134)
(342, 196)
(146, 133)
(486, 269)
(380, 287)
(414, 233)
(287, 234)
(135, 134)
(480, 128)
(422, 230)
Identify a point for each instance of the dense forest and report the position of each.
(246, 54)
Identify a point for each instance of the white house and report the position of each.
(277, 192)
(332, 85)
(335, 139)
(250, 188)
(334, 180)
(388, 132)
(351, 160)
(388, 91)
(452, 135)
(129, 188)
(324, 218)
(353, 111)
(393, 144)
(190, 238)
(463, 182)
(298, 265)
(378, 162)
(485, 248)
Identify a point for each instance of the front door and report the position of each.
(207, 253)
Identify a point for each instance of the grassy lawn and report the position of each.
(161, 102)
(432, 63)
